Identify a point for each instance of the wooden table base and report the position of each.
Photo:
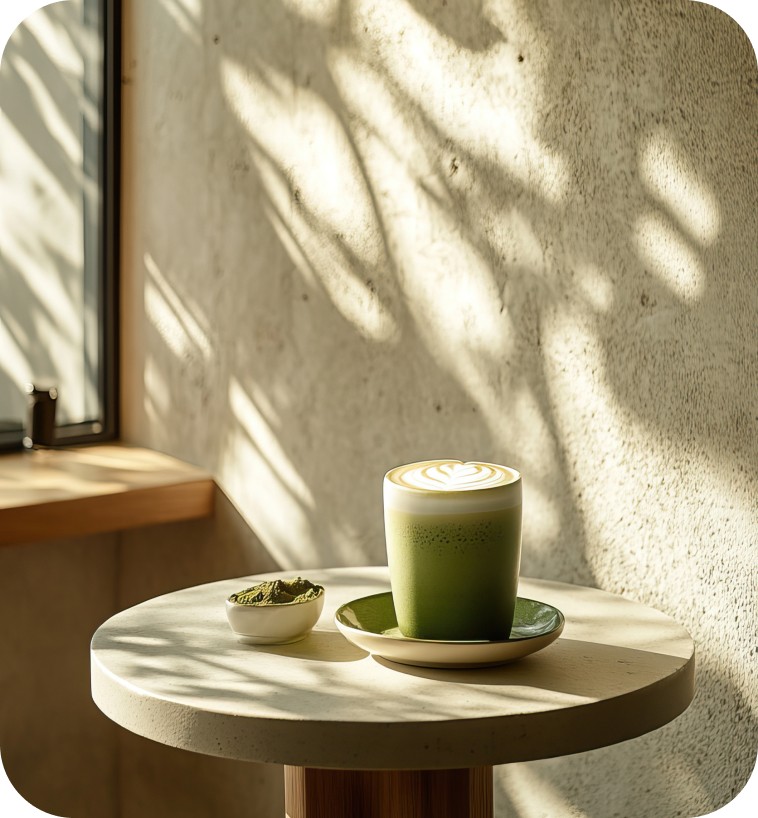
(315, 793)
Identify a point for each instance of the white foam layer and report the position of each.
(451, 487)
(451, 475)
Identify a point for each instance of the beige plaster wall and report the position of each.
(362, 233)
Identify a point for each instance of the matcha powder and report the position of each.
(278, 592)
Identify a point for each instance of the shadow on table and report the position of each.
(318, 646)
(570, 667)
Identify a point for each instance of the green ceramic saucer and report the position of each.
(371, 624)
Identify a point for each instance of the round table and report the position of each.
(359, 735)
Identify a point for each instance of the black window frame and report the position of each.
(106, 427)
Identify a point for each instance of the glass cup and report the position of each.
(453, 533)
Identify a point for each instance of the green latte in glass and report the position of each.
(453, 533)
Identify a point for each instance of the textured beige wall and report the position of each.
(364, 233)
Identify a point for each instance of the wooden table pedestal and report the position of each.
(318, 793)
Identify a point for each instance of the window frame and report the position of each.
(106, 427)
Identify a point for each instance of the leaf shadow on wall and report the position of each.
(600, 328)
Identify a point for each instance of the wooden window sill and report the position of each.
(69, 492)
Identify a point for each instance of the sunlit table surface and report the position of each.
(171, 669)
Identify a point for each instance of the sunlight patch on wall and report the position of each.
(186, 15)
(173, 321)
(266, 444)
(384, 132)
(669, 256)
(526, 422)
(672, 179)
(321, 12)
(305, 142)
(520, 422)
(193, 8)
(515, 239)
(519, 779)
(318, 202)
(322, 262)
(165, 321)
(460, 314)
(594, 286)
(284, 231)
(447, 286)
(261, 400)
(156, 401)
(356, 301)
(452, 87)
(456, 308)
(256, 472)
(542, 518)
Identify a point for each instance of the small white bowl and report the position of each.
(274, 624)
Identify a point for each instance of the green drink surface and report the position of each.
(454, 576)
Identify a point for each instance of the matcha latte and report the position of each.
(453, 533)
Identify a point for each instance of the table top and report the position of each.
(172, 670)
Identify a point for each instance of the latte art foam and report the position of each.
(451, 487)
(452, 475)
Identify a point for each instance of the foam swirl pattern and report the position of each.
(452, 475)
(451, 486)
